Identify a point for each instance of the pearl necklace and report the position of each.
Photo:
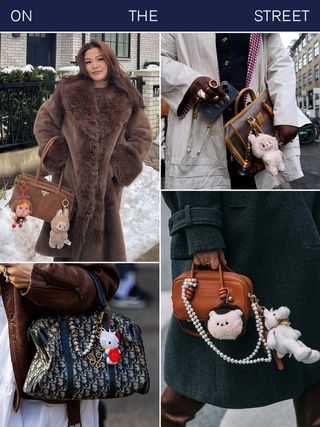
(203, 334)
(189, 155)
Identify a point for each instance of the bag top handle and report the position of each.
(245, 91)
(221, 267)
(100, 294)
(45, 151)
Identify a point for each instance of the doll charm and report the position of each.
(59, 229)
(110, 342)
(22, 208)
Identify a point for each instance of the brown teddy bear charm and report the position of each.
(22, 207)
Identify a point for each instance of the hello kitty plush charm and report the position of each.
(110, 342)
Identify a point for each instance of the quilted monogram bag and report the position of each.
(88, 356)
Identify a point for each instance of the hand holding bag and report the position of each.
(46, 197)
(198, 293)
(257, 117)
(98, 355)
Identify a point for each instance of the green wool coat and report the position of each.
(274, 239)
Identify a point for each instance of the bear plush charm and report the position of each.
(225, 324)
(284, 339)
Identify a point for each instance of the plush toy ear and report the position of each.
(212, 313)
(238, 311)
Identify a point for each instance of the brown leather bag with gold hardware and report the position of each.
(256, 116)
(46, 197)
(213, 288)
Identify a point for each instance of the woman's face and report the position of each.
(96, 66)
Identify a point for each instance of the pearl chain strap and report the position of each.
(199, 328)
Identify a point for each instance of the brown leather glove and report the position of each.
(285, 133)
(214, 95)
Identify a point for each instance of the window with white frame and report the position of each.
(304, 42)
(316, 49)
(304, 59)
(304, 79)
(310, 75)
(310, 54)
(316, 72)
(300, 64)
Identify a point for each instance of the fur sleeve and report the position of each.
(127, 158)
(47, 125)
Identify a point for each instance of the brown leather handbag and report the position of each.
(46, 197)
(213, 288)
(197, 292)
(257, 117)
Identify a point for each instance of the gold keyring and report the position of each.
(213, 84)
(215, 98)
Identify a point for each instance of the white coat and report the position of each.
(186, 56)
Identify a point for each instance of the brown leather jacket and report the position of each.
(54, 287)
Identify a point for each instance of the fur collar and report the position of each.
(97, 112)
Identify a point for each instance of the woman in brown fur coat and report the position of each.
(104, 137)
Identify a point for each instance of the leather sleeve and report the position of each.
(68, 287)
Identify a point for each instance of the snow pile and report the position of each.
(139, 215)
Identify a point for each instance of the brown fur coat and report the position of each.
(102, 145)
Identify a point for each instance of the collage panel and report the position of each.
(88, 104)
(79, 188)
(70, 335)
(244, 108)
(239, 327)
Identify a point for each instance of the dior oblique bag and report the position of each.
(88, 356)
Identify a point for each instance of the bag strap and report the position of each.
(243, 92)
(100, 294)
(43, 156)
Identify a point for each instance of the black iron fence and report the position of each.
(19, 103)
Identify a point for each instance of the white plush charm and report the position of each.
(266, 147)
(225, 326)
(110, 342)
(284, 339)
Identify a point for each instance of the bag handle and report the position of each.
(100, 294)
(245, 91)
(223, 292)
(42, 157)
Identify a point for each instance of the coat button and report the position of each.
(225, 39)
(226, 62)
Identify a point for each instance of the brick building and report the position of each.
(305, 54)
(59, 50)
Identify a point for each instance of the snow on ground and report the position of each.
(139, 215)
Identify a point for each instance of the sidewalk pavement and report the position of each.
(310, 163)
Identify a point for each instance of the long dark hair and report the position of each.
(116, 75)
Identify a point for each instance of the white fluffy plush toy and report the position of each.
(266, 147)
(284, 339)
(225, 326)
